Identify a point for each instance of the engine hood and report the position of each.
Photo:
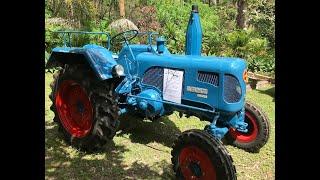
(226, 65)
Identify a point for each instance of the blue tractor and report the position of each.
(95, 87)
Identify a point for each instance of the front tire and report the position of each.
(258, 130)
(198, 155)
(85, 108)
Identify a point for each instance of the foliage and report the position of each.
(262, 17)
(169, 18)
(53, 39)
(46, 56)
(82, 11)
(146, 19)
(248, 45)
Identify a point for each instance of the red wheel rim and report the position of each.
(252, 133)
(74, 108)
(195, 164)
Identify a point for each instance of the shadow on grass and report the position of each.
(269, 91)
(67, 163)
(162, 130)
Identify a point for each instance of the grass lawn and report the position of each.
(142, 149)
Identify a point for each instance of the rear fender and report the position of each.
(97, 57)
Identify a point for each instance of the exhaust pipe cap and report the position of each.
(195, 8)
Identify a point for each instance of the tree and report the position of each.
(241, 16)
(121, 8)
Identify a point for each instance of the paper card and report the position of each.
(172, 85)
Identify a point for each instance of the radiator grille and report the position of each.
(232, 90)
(208, 77)
(154, 77)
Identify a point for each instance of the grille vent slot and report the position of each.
(154, 77)
(209, 77)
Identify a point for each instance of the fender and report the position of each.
(97, 57)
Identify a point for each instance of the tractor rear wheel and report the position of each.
(198, 155)
(85, 108)
(258, 130)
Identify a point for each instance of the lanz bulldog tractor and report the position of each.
(95, 87)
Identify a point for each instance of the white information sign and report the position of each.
(172, 85)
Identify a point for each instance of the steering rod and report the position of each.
(126, 41)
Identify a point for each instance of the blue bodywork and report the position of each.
(194, 34)
(212, 106)
(99, 58)
(213, 88)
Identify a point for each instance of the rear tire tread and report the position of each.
(104, 103)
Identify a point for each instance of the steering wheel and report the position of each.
(124, 36)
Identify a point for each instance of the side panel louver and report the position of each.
(208, 77)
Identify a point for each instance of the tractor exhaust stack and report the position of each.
(194, 33)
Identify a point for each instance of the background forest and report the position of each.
(236, 28)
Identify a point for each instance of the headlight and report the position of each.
(245, 76)
(118, 70)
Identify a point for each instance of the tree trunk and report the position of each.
(110, 8)
(241, 16)
(121, 7)
(57, 8)
(71, 10)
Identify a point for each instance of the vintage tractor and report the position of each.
(95, 87)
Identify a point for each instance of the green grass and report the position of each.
(142, 149)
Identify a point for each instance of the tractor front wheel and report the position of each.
(258, 130)
(198, 155)
(85, 108)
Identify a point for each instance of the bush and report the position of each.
(46, 56)
(52, 39)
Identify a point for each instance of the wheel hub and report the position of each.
(196, 164)
(252, 133)
(195, 169)
(74, 108)
(80, 107)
